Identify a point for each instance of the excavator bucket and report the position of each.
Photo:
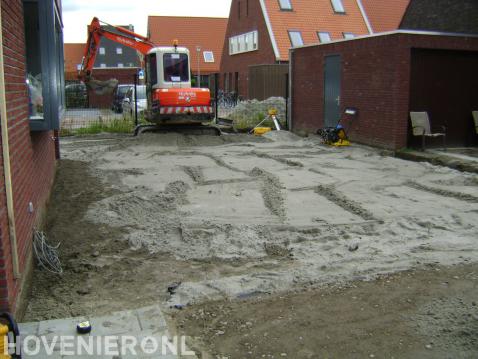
(102, 87)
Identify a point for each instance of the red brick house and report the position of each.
(32, 97)
(73, 56)
(260, 32)
(203, 36)
(385, 76)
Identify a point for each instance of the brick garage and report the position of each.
(386, 76)
(32, 159)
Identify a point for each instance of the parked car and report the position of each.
(129, 100)
(76, 95)
(118, 97)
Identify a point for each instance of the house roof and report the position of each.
(445, 16)
(385, 15)
(309, 17)
(206, 32)
(73, 53)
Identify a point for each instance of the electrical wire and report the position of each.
(46, 254)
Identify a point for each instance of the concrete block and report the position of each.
(27, 329)
(58, 327)
(152, 319)
(116, 323)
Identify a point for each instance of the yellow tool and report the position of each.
(259, 131)
(4, 341)
(9, 327)
(272, 115)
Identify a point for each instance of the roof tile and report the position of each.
(385, 15)
(73, 53)
(309, 17)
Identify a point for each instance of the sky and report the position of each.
(78, 13)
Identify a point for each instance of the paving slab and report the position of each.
(118, 323)
(152, 319)
(147, 322)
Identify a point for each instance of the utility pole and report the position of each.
(136, 99)
(198, 49)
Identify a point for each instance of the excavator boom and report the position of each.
(115, 33)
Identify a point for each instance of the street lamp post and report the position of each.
(198, 49)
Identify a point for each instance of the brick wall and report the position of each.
(375, 79)
(249, 21)
(32, 156)
(124, 76)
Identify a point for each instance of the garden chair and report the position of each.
(421, 127)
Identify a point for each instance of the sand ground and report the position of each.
(242, 222)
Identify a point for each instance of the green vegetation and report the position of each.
(99, 126)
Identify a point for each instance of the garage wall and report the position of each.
(372, 80)
(376, 79)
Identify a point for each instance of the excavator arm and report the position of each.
(115, 33)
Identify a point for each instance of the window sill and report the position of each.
(243, 52)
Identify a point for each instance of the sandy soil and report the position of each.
(237, 217)
(414, 314)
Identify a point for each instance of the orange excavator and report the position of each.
(171, 99)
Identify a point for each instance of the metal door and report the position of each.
(332, 72)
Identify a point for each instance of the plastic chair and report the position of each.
(421, 127)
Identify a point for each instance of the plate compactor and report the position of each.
(334, 136)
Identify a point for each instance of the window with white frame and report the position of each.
(243, 43)
(338, 6)
(103, 65)
(102, 51)
(208, 56)
(324, 36)
(348, 35)
(285, 5)
(120, 64)
(119, 50)
(296, 38)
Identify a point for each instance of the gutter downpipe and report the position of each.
(6, 160)
(365, 17)
(289, 100)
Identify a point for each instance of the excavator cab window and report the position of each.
(151, 70)
(176, 67)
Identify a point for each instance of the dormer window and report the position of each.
(348, 35)
(296, 38)
(285, 5)
(338, 6)
(208, 56)
(324, 37)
